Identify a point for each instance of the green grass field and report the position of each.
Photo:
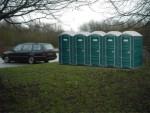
(54, 88)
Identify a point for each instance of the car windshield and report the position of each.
(18, 47)
(48, 46)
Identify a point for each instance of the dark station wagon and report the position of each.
(30, 52)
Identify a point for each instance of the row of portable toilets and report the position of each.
(112, 49)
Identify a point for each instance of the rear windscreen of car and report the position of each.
(48, 46)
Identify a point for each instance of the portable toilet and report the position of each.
(73, 49)
(112, 49)
(96, 48)
(131, 49)
(80, 48)
(65, 47)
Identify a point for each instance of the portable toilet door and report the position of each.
(73, 50)
(126, 51)
(96, 48)
(80, 48)
(131, 49)
(111, 48)
(87, 50)
(64, 48)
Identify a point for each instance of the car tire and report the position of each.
(46, 61)
(6, 59)
(31, 60)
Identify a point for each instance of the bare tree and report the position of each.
(29, 10)
(128, 10)
(110, 25)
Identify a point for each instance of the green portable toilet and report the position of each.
(80, 48)
(65, 47)
(87, 49)
(73, 49)
(96, 48)
(112, 49)
(131, 49)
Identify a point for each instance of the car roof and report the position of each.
(34, 43)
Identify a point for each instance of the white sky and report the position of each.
(72, 19)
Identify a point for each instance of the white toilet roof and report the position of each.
(116, 33)
(132, 33)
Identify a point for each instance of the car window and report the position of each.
(37, 47)
(18, 47)
(27, 47)
(48, 46)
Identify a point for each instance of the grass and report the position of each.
(54, 88)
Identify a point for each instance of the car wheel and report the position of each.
(31, 60)
(46, 61)
(6, 59)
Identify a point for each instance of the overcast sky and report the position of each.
(73, 18)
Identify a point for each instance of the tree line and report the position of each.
(11, 35)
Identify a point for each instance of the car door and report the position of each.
(26, 51)
(38, 52)
(15, 55)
